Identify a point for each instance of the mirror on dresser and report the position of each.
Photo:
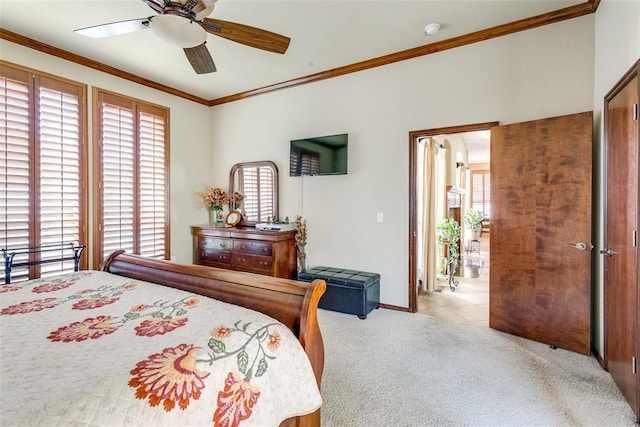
(258, 183)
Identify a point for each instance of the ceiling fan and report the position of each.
(184, 23)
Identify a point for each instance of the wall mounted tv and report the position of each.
(322, 155)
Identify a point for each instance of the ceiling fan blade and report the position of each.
(157, 6)
(244, 34)
(114, 28)
(200, 59)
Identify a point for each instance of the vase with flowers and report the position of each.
(301, 243)
(214, 199)
(237, 200)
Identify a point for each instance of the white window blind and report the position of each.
(42, 174)
(133, 185)
(480, 191)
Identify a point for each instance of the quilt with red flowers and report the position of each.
(95, 349)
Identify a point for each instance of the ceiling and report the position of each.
(324, 35)
(478, 145)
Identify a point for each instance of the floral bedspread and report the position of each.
(92, 348)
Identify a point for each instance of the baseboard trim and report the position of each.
(394, 307)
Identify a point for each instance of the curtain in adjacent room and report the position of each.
(433, 176)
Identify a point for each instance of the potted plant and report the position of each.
(448, 233)
(473, 219)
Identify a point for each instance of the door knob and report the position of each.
(607, 252)
(581, 246)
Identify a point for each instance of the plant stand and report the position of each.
(452, 264)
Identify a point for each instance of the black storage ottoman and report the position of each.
(348, 291)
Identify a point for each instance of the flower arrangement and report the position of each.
(301, 231)
(238, 199)
(214, 198)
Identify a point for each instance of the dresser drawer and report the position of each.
(218, 257)
(252, 262)
(252, 247)
(208, 244)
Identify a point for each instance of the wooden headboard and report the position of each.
(290, 302)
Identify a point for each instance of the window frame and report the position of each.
(36, 80)
(138, 107)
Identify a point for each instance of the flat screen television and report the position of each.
(322, 155)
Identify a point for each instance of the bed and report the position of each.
(207, 347)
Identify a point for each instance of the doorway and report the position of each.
(473, 291)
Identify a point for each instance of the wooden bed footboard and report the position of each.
(292, 303)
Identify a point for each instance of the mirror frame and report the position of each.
(246, 165)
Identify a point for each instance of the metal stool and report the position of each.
(473, 246)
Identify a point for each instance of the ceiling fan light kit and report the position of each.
(178, 31)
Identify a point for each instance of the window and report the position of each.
(132, 203)
(42, 168)
(480, 191)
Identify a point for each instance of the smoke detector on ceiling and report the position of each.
(431, 29)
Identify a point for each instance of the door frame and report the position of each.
(632, 73)
(413, 197)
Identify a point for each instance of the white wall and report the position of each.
(617, 48)
(190, 153)
(534, 74)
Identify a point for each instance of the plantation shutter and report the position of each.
(42, 171)
(117, 180)
(249, 183)
(16, 210)
(133, 185)
(256, 184)
(153, 185)
(265, 187)
(480, 191)
(61, 144)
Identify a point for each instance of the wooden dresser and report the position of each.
(272, 253)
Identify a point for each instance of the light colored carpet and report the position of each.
(403, 369)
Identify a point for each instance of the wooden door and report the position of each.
(621, 225)
(540, 279)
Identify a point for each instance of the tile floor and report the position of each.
(469, 303)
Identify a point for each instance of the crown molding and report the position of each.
(451, 43)
(552, 17)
